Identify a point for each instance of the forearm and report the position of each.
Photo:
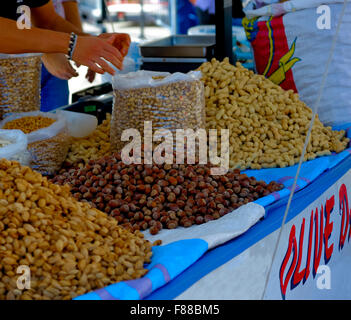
(14, 40)
(46, 17)
(62, 25)
(72, 13)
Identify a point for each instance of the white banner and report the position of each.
(312, 262)
(314, 255)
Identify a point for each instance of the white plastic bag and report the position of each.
(17, 148)
(147, 79)
(48, 146)
(292, 42)
(169, 101)
(20, 76)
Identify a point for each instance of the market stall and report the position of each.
(93, 221)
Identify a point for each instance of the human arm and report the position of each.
(57, 63)
(72, 13)
(46, 17)
(89, 50)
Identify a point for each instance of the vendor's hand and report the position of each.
(121, 41)
(58, 65)
(94, 52)
(90, 76)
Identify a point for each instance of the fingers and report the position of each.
(113, 50)
(66, 75)
(105, 66)
(71, 71)
(90, 76)
(94, 67)
(114, 60)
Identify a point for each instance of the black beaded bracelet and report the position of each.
(72, 45)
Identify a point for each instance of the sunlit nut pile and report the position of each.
(153, 197)
(69, 247)
(19, 84)
(29, 124)
(92, 147)
(177, 105)
(268, 125)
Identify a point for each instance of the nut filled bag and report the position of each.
(170, 101)
(20, 76)
(47, 146)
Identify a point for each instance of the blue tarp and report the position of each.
(171, 260)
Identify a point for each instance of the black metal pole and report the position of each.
(224, 40)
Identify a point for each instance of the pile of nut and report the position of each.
(29, 124)
(176, 105)
(20, 84)
(69, 247)
(153, 197)
(268, 125)
(92, 147)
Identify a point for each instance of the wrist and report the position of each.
(61, 43)
(72, 45)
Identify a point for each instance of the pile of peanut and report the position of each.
(92, 147)
(153, 197)
(29, 124)
(268, 125)
(69, 247)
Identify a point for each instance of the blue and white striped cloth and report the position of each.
(170, 260)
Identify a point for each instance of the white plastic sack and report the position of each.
(42, 134)
(169, 101)
(146, 79)
(17, 149)
(48, 146)
(291, 47)
(20, 82)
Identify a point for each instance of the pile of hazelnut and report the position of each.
(156, 196)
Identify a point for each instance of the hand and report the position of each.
(90, 76)
(121, 41)
(58, 65)
(91, 52)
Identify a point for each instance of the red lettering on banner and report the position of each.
(310, 234)
(292, 247)
(317, 242)
(345, 220)
(321, 225)
(298, 275)
(328, 250)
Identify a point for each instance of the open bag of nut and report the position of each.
(13, 146)
(48, 138)
(170, 101)
(20, 76)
